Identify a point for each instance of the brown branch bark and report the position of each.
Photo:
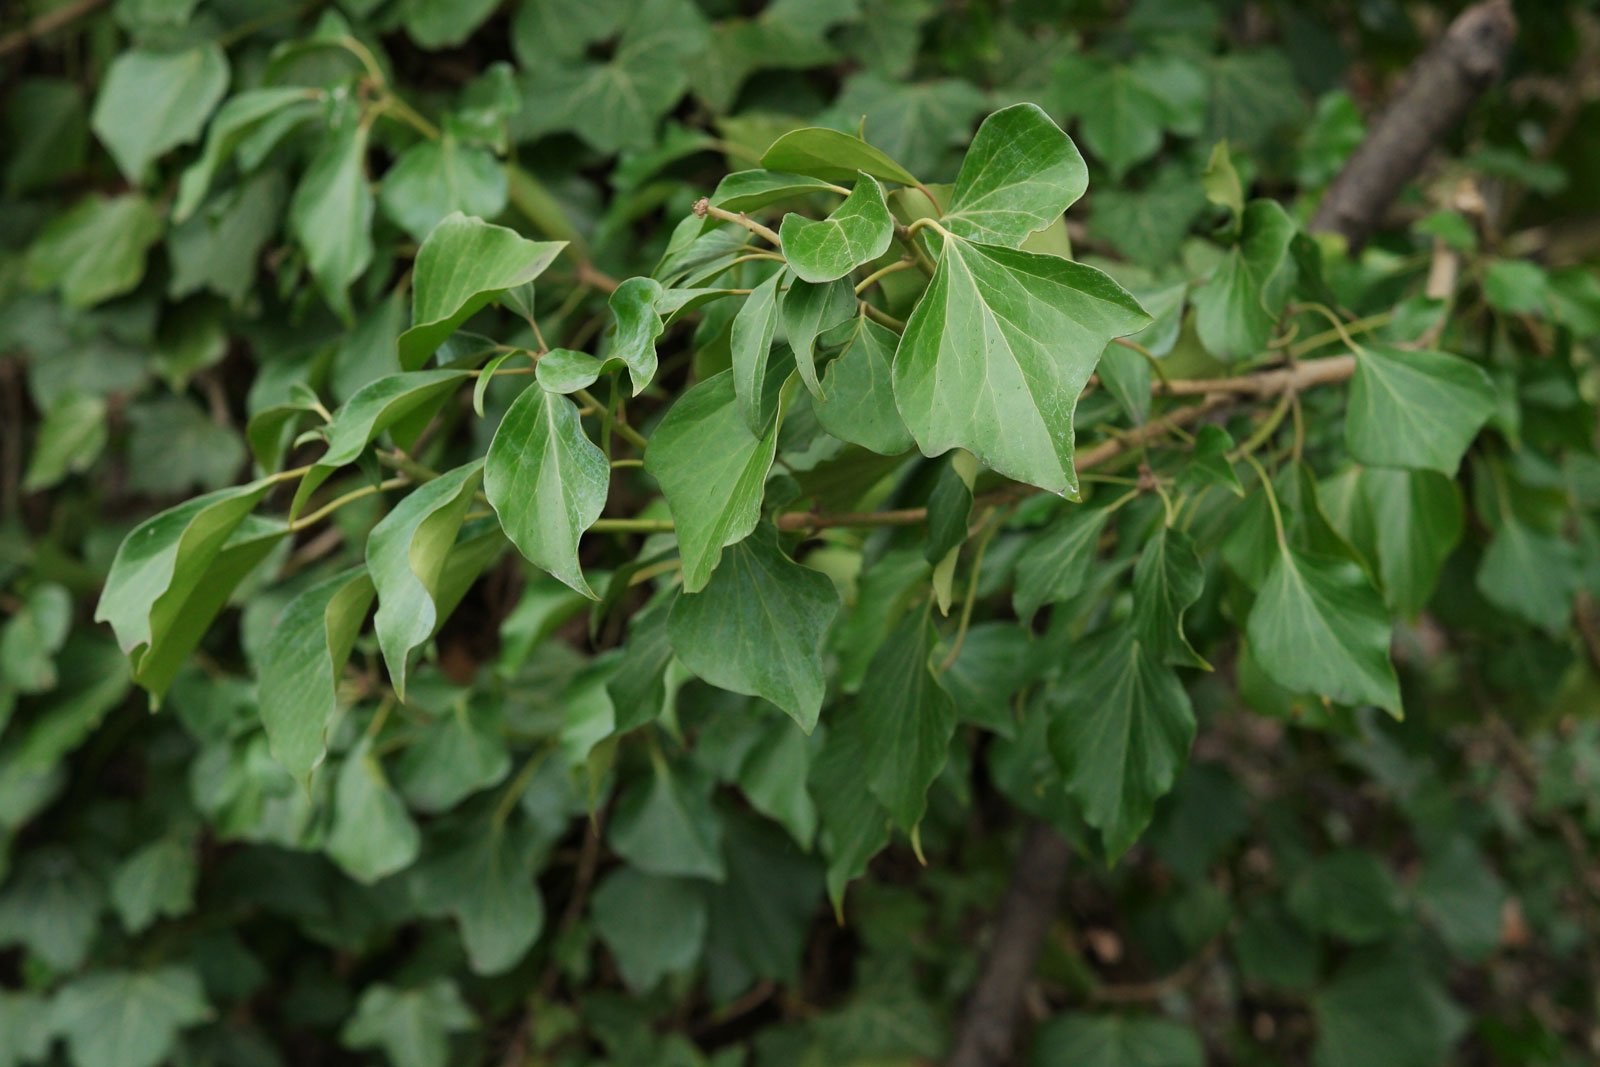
(1438, 90)
(47, 23)
(988, 1029)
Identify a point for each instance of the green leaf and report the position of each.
(458, 754)
(854, 826)
(627, 910)
(751, 344)
(31, 638)
(808, 311)
(413, 1026)
(1209, 463)
(1531, 574)
(171, 576)
(1124, 109)
(1405, 522)
(560, 370)
(436, 24)
(909, 720)
(1055, 564)
(817, 152)
(713, 472)
(547, 482)
(464, 265)
(128, 1018)
(156, 881)
(921, 125)
(1120, 728)
(435, 179)
(406, 554)
(175, 447)
(751, 190)
(762, 912)
(1414, 408)
(483, 876)
(757, 627)
(856, 233)
(300, 669)
(1116, 1041)
(1347, 894)
(1221, 181)
(248, 115)
(996, 353)
(1126, 375)
(1020, 175)
(1236, 309)
(1148, 224)
(1318, 626)
(152, 102)
(331, 212)
(47, 139)
(96, 250)
(1166, 582)
(373, 835)
(855, 401)
(25, 1029)
(773, 778)
(51, 906)
(70, 438)
(666, 826)
(637, 323)
(1385, 1010)
(220, 248)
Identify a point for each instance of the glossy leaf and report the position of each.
(637, 324)
(856, 233)
(818, 152)
(331, 213)
(1020, 175)
(856, 401)
(751, 190)
(807, 311)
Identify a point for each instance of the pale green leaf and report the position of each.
(461, 752)
(69, 440)
(331, 212)
(751, 345)
(158, 880)
(128, 1018)
(154, 101)
(1020, 175)
(636, 323)
(1531, 574)
(413, 1026)
(1385, 1009)
(808, 310)
(817, 152)
(274, 110)
(31, 638)
(373, 835)
(750, 190)
(434, 179)
(856, 401)
(1237, 307)
(96, 250)
(856, 233)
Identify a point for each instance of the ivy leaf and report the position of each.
(51, 905)
(25, 1029)
(70, 438)
(562, 370)
(855, 402)
(751, 344)
(172, 574)
(373, 835)
(406, 554)
(757, 627)
(818, 152)
(1082, 1040)
(152, 102)
(1237, 307)
(666, 826)
(773, 778)
(1055, 564)
(413, 1026)
(1123, 115)
(96, 250)
(637, 323)
(331, 212)
(300, 669)
(158, 880)
(128, 1018)
(751, 190)
(453, 757)
(1166, 582)
(464, 265)
(1531, 574)
(1148, 224)
(1318, 626)
(435, 179)
(1120, 728)
(249, 114)
(547, 482)
(856, 233)
(997, 351)
(1415, 409)
(713, 472)
(1406, 522)
(1348, 894)
(854, 826)
(1384, 1009)
(37, 629)
(220, 248)
(909, 720)
(626, 912)
(436, 24)
(1126, 375)
(1020, 175)
(483, 876)
(808, 311)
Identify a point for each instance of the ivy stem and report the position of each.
(632, 526)
(1268, 427)
(1272, 501)
(990, 527)
(1338, 324)
(618, 464)
(519, 785)
(1315, 341)
(882, 318)
(703, 207)
(622, 429)
(338, 502)
(407, 466)
(872, 279)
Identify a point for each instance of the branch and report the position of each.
(1438, 91)
(46, 24)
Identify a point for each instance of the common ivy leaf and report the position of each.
(1237, 307)
(373, 835)
(713, 472)
(1122, 116)
(96, 250)
(818, 152)
(1126, 375)
(1384, 1009)
(1148, 224)
(921, 124)
(773, 775)
(1406, 522)
(666, 826)
(412, 1025)
(219, 249)
(453, 757)
(172, 574)
(25, 1029)
(1531, 574)
(762, 912)
(31, 638)
(757, 627)
(856, 398)
(1020, 175)
(909, 720)
(1415, 409)
(562, 29)
(128, 1018)
(997, 351)
(1120, 729)
(1318, 626)
(750, 190)
(1055, 563)
(436, 24)
(854, 826)
(1082, 1040)
(564, 371)
(153, 101)
(1166, 582)
(463, 265)
(547, 481)
(331, 212)
(51, 905)
(751, 345)
(1209, 463)
(1248, 103)
(406, 554)
(300, 669)
(157, 880)
(483, 875)
(856, 233)
(434, 179)
(47, 140)
(1348, 894)
(626, 912)
(70, 438)
(274, 110)
(636, 324)
(809, 310)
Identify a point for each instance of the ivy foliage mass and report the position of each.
(622, 510)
